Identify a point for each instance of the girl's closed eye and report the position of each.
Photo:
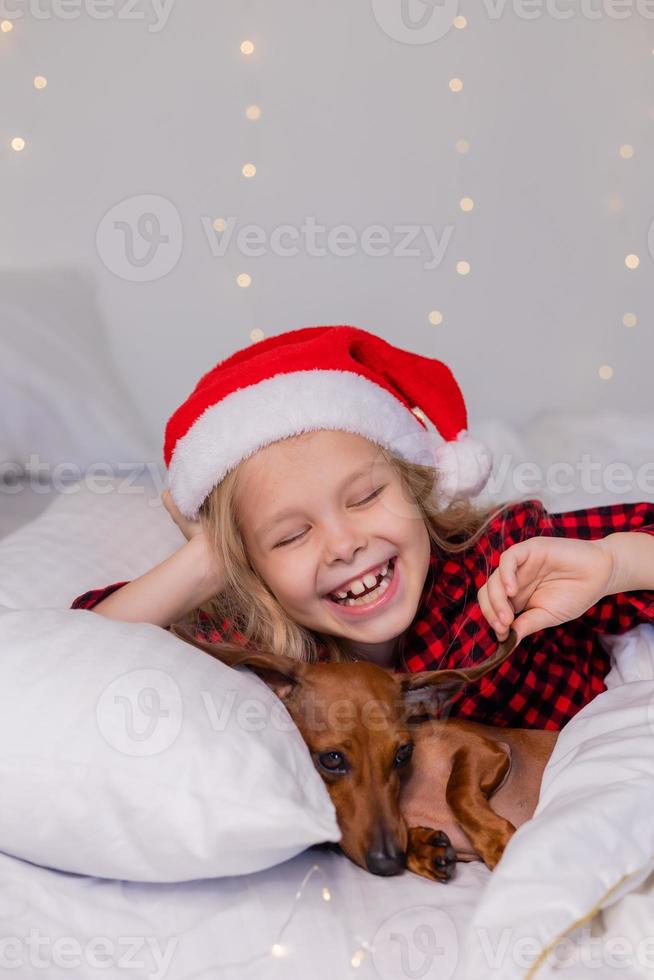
(371, 496)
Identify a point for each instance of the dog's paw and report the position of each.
(491, 856)
(430, 854)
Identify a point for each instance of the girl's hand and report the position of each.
(188, 528)
(548, 580)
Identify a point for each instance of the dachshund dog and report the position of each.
(411, 789)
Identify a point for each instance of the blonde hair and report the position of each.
(248, 606)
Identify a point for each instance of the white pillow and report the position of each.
(85, 540)
(127, 753)
(61, 398)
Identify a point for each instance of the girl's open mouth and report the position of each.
(372, 599)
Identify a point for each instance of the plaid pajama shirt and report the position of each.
(553, 672)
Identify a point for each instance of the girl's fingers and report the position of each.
(489, 608)
(508, 567)
(502, 608)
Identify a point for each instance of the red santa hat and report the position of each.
(327, 377)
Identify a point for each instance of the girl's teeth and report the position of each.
(375, 594)
(360, 585)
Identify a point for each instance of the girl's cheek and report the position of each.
(292, 584)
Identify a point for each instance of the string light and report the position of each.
(363, 949)
(326, 894)
(219, 224)
(18, 143)
(632, 261)
(40, 82)
(6, 26)
(278, 949)
(253, 113)
(466, 204)
(435, 317)
(463, 267)
(615, 203)
(605, 372)
(455, 84)
(626, 151)
(462, 146)
(460, 22)
(630, 319)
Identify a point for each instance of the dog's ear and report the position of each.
(280, 673)
(429, 692)
(424, 697)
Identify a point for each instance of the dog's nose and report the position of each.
(386, 862)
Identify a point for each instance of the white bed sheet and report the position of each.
(227, 927)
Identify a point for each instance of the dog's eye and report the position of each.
(332, 761)
(403, 754)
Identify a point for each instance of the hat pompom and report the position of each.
(464, 465)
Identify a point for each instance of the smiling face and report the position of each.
(321, 509)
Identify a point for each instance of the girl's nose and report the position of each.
(344, 546)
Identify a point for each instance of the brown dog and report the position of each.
(411, 789)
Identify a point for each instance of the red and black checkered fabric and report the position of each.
(552, 673)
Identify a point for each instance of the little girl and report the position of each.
(325, 521)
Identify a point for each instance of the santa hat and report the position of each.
(329, 377)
